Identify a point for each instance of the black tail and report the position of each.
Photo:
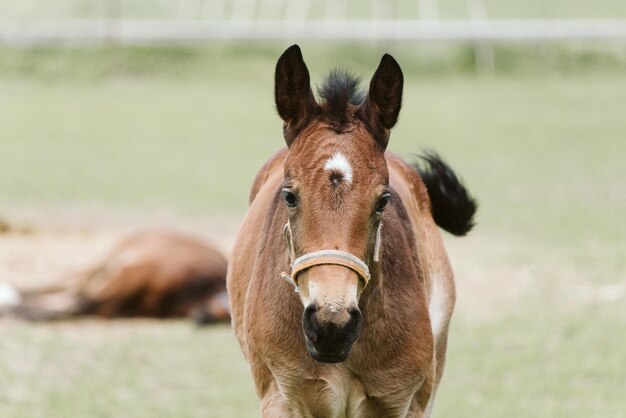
(452, 206)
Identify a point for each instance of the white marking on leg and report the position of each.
(339, 164)
(9, 296)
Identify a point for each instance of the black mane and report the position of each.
(340, 89)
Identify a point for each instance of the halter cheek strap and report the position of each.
(327, 257)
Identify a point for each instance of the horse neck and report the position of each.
(397, 280)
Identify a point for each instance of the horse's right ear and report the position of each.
(292, 91)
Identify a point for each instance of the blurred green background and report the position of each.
(173, 9)
(539, 329)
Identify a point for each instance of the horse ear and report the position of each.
(292, 91)
(381, 107)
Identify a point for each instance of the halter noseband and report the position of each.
(332, 257)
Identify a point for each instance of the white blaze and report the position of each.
(338, 163)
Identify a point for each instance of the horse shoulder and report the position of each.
(274, 163)
(249, 240)
(432, 255)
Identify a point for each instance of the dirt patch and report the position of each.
(45, 257)
(38, 249)
(498, 275)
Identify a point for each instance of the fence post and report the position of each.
(243, 10)
(483, 50)
(215, 10)
(296, 11)
(335, 9)
(113, 10)
(428, 9)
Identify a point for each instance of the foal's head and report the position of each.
(335, 190)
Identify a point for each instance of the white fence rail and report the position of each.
(166, 31)
(261, 20)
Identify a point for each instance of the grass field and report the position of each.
(570, 366)
(539, 326)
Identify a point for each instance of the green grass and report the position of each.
(125, 368)
(253, 61)
(536, 366)
(142, 130)
(542, 151)
(569, 366)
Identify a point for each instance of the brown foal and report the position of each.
(149, 274)
(358, 325)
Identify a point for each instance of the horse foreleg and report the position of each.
(274, 405)
(421, 403)
(441, 346)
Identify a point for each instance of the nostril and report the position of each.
(309, 311)
(354, 311)
(309, 322)
(354, 325)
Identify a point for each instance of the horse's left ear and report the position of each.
(384, 99)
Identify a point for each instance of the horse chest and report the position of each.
(338, 394)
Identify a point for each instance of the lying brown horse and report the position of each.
(150, 274)
(353, 230)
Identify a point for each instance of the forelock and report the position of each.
(340, 90)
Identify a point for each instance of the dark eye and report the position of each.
(290, 198)
(382, 202)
